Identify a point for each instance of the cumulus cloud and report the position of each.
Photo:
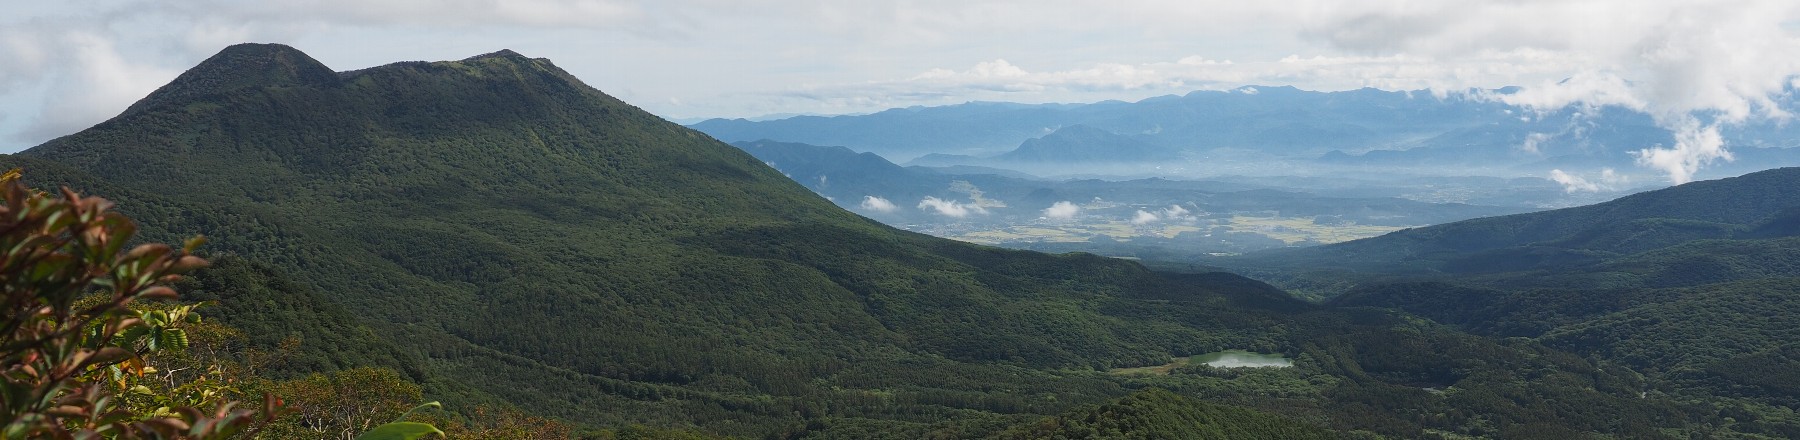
(1176, 212)
(1173, 213)
(1002, 80)
(878, 204)
(950, 208)
(1607, 180)
(1693, 65)
(1063, 210)
(87, 78)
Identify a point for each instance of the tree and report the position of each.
(67, 287)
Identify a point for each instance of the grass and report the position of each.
(1287, 229)
(1155, 370)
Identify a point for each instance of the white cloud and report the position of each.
(1176, 213)
(1696, 145)
(1533, 140)
(1173, 213)
(1608, 180)
(950, 208)
(1062, 210)
(878, 204)
(1143, 218)
(1693, 65)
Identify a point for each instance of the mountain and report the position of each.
(1084, 144)
(1278, 119)
(1641, 222)
(522, 239)
(847, 177)
(1288, 131)
(1694, 286)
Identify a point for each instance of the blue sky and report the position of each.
(72, 64)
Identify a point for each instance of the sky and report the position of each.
(1694, 65)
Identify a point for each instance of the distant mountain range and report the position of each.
(848, 177)
(1264, 125)
(1079, 144)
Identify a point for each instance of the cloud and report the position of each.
(475, 13)
(878, 204)
(1176, 212)
(1173, 213)
(1533, 140)
(86, 78)
(1693, 65)
(1608, 180)
(950, 208)
(1696, 145)
(1062, 211)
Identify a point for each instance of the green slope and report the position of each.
(1716, 209)
(507, 220)
(519, 236)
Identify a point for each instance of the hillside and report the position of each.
(524, 238)
(1692, 286)
(1646, 221)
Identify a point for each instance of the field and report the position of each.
(1290, 230)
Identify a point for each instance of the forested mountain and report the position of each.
(507, 234)
(1759, 204)
(1694, 285)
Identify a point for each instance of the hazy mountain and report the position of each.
(1274, 118)
(537, 243)
(847, 177)
(1084, 144)
(1281, 130)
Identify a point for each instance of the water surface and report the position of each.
(1242, 358)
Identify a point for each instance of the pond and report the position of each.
(1241, 358)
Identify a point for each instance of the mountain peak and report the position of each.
(1084, 143)
(505, 54)
(238, 67)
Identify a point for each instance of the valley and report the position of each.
(1278, 231)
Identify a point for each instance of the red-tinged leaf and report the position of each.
(159, 293)
(105, 356)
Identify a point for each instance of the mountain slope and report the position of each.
(1645, 221)
(475, 207)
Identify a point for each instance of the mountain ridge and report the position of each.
(1753, 199)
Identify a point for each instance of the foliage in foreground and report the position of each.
(87, 325)
(67, 360)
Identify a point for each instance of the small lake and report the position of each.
(1241, 358)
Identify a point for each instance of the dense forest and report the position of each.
(495, 235)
